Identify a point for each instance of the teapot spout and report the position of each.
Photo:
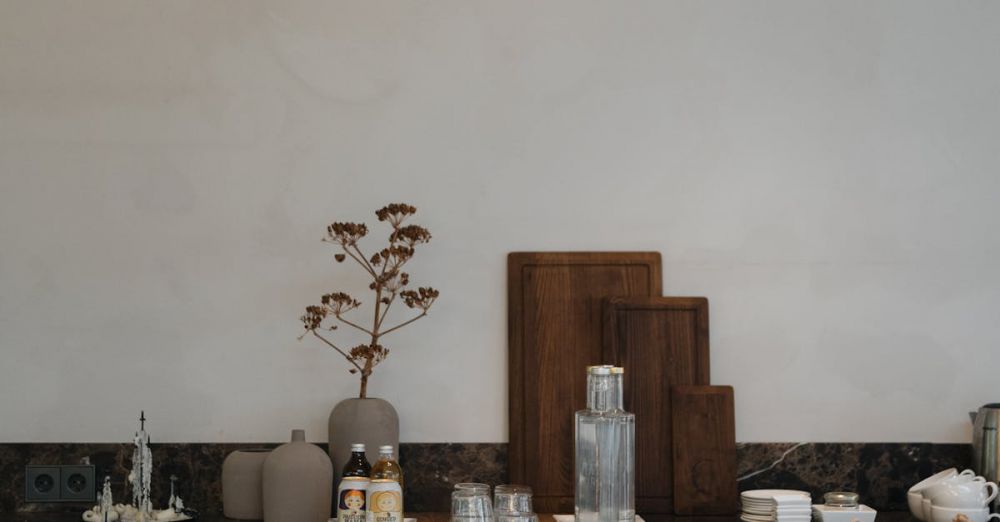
(972, 416)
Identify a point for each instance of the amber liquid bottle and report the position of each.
(357, 465)
(387, 467)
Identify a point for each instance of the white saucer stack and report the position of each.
(776, 505)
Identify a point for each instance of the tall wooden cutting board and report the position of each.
(704, 430)
(554, 333)
(661, 342)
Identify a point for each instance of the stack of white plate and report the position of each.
(776, 505)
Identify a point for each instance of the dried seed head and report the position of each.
(410, 235)
(395, 213)
(365, 352)
(422, 297)
(313, 317)
(339, 302)
(346, 234)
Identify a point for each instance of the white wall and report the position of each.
(825, 172)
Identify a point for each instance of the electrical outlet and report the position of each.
(60, 484)
(42, 484)
(77, 484)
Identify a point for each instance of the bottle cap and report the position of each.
(841, 499)
(617, 370)
(603, 369)
(385, 449)
(357, 448)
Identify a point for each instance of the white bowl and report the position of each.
(914, 499)
(942, 514)
(934, 479)
(962, 495)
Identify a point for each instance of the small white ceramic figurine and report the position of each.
(140, 480)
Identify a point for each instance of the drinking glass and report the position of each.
(471, 503)
(513, 504)
(477, 486)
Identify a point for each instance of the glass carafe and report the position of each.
(605, 451)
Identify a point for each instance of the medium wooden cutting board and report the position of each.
(704, 429)
(554, 332)
(661, 342)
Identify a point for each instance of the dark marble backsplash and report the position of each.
(431, 470)
(881, 473)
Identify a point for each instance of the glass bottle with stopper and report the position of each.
(605, 451)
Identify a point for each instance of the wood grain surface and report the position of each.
(555, 322)
(661, 342)
(704, 429)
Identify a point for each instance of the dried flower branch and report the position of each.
(387, 281)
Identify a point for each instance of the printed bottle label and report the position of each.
(386, 506)
(351, 505)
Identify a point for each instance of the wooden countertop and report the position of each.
(433, 517)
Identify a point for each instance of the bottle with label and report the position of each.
(385, 501)
(605, 451)
(387, 467)
(352, 499)
(357, 465)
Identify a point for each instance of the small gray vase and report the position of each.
(242, 473)
(370, 421)
(298, 482)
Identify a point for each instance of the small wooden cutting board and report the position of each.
(704, 429)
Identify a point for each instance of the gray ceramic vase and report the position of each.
(370, 421)
(242, 474)
(297, 482)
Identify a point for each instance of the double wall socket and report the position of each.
(60, 484)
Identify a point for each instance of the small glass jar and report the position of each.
(842, 506)
(841, 499)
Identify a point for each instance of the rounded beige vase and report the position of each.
(372, 422)
(297, 482)
(242, 487)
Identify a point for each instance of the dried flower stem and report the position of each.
(362, 328)
(386, 311)
(387, 280)
(364, 260)
(398, 326)
(364, 264)
(341, 352)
